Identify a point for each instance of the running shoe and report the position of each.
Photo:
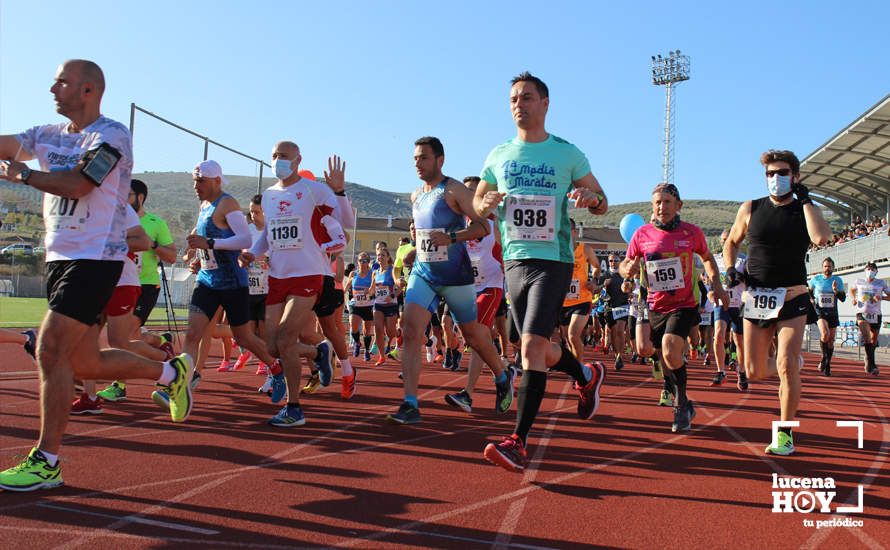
(161, 396)
(347, 391)
(312, 384)
(224, 366)
(634, 357)
(267, 386)
(619, 364)
(783, 446)
(666, 399)
(827, 370)
(32, 474)
(30, 344)
(683, 417)
(438, 358)
(589, 395)
(504, 393)
(279, 387)
(693, 353)
(179, 391)
(262, 369)
(114, 392)
(449, 356)
(461, 400)
(657, 373)
(242, 360)
(373, 349)
(325, 363)
(873, 371)
(168, 336)
(718, 379)
(356, 349)
(393, 354)
(742, 382)
(367, 356)
(733, 365)
(380, 361)
(707, 359)
(407, 414)
(455, 360)
(288, 417)
(509, 454)
(85, 405)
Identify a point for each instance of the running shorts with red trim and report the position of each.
(123, 301)
(306, 287)
(487, 304)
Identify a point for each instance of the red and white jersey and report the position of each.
(93, 226)
(132, 265)
(299, 218)
(487, 259)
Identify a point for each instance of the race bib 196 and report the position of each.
(665, 275)
(764, 303)
(285, 233)
(427, 252)
(531, 217)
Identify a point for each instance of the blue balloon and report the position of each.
(629, 225)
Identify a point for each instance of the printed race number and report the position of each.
(427, 252)
(285, 233)
(764, 303)
(574, 290)
(531, 217)
(665, 275)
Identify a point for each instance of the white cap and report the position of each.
(209, 169)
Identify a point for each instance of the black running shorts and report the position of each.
(80, 289)
(146, 302)
(537, 289)
(330, 298)
(679, 322)
(234, 302)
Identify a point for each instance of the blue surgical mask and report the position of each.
(779, 186)
(282, 168)
(871, 273)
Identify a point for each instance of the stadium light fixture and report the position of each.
(668, 71)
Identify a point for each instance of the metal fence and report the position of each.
(855, 253)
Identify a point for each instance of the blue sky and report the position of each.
(365, 79)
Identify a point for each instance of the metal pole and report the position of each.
(206, 147)
(354, 231)
(259, 182)
(665, 176)
(132, 118)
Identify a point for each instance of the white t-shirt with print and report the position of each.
(130, 272)
(91, 227)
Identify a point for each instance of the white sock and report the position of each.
(168, 374)
(346, 367)
(50, 458)
(92, 396)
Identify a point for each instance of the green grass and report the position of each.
(29, 312)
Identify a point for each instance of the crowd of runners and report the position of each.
(492, 268)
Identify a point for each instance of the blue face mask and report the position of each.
(283, 169)
(779, 186)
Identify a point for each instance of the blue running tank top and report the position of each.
(360, 287)
(448, 266)
(219, 268)
(385, 293)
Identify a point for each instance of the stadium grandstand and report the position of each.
(850, 175)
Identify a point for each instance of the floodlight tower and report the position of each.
(667, 71)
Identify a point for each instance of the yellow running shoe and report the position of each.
(180, 389)
(32, 474)
(783, 446)
(312, 384)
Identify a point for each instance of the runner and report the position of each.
(729, 320)
(85, 167)
(706, 325)
(300, 232)
(867, 295)
(667, 245)
(826, 289)
(528, 181)
(258, 285)
(486, 259)
(361, 308)
(442, 270)
(218, 237)
(617, 309)
(386, 309)
(779, 229)
(26, 339)
(579, 299)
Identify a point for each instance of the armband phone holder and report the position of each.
(99, 162)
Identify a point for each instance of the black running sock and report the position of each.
(367, 341)
(680, 380)
(356, 338)
(830, 355)
(670, 382)
(824, 347)
(448, 355)
(870, 354)
(570, 365)
(291, 405)
(529, 397)
(785, 429)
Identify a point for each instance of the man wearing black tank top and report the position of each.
(779, 228)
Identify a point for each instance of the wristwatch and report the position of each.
(453, 236)
(25, 175)
(210, 243)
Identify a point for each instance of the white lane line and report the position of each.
(478, 541)
(409, 526)
(145, 521)
(511, 518)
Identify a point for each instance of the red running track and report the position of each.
(225, 479)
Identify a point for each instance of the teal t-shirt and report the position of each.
(534, 214)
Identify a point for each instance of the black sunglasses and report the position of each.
(780, 172)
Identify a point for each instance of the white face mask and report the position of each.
(779, 186)
(871, 273)
(282, 168)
